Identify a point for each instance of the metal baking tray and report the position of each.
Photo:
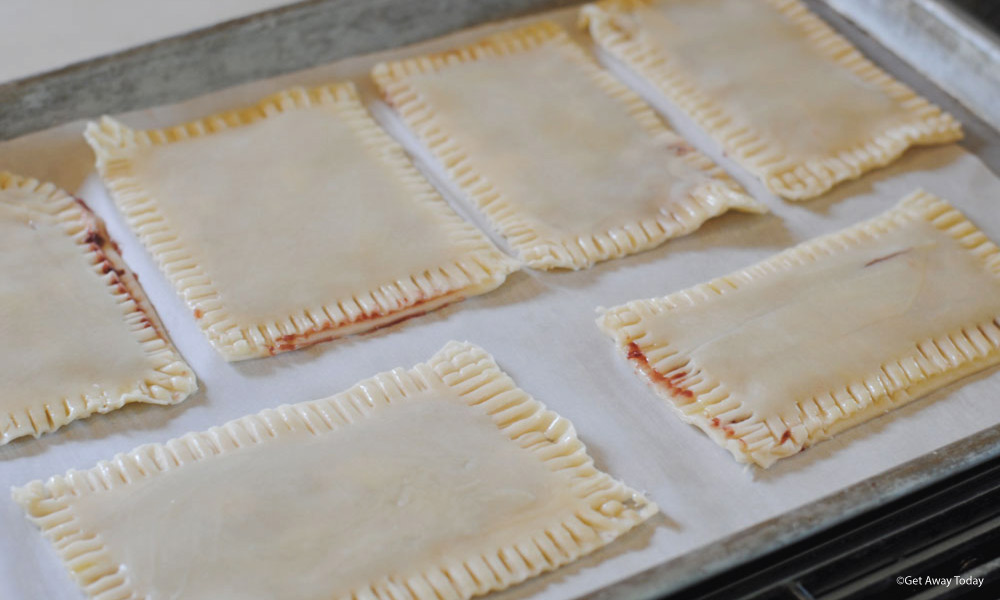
(315, 32)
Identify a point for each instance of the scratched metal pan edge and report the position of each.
(88, 88)
(265, 44)
(793, 526)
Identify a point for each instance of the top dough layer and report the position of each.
(788, 98)
(292, 210)
(64, 331)
(292, 222)
(563, 150)
(568, 164)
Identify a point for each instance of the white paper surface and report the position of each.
(540, 327)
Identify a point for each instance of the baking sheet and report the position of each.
(540, 327)
(76, 32)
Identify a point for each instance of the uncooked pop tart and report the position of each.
(292, 222)
(568, 164)
(786, 96)
(826, 335)
(78, 335)
(440, 481)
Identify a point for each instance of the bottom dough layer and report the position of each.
(441, 481)
(724, 438)
(370, 324)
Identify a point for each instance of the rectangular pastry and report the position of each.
(831, 333)
(79, 336)
(785, 95)
(568, 164)
(291, 222)
(441, 481)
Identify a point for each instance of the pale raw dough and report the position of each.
(566, 162)
(787, 97)
(73, 342)
(446, 468)
(291, 211)
(63, 330)
(560, 148)
(825, 330)
(311, 515)
(300, 222)
(826, 321)
(766, 73)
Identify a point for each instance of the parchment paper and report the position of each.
(540, 327)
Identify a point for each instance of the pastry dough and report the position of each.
(442, 481)
(785, 95)
(79, 336)
(292, 222)
(825, 335)
(566, 162)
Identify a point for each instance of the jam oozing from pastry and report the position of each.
(295, 341)
(671, 382)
